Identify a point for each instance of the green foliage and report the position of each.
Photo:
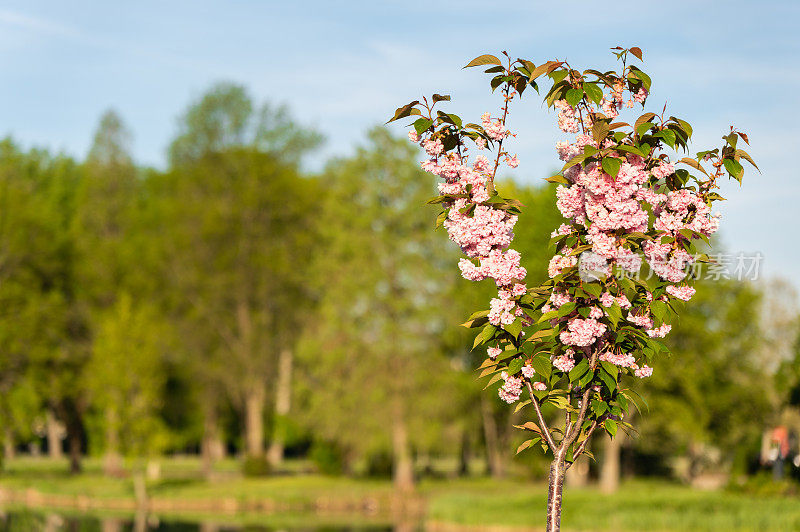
(255, 466)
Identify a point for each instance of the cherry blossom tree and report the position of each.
(636, 220)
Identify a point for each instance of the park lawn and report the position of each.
(640, 505)
(474, 503)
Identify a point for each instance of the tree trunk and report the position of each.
(9, 450)
(465, 454)
(494, 459)
(139, 488)
(111, 524)
(75, 444)
(53, 436)
(283, 403)
(555, 490)
(112, 462)
(403, 471)
(212, 446)
(578, 473)
(254, 422)
(610, 471)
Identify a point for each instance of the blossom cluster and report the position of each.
(620, 212)
(483, 232)
(603, 209)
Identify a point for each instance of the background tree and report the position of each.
(239, 218)
(383, 279)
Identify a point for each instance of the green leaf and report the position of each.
(527, 443)
(441, 218)
(642, 120)
(594, 92)
(404, 111)
(514, 366)
(611, 166)
(608, 380)
(542, 366)
(579, 370)
(610, 368)
(744, 155)
(574, 96)
(558, 75)
(486, 59)
(485, 335)
(440, 97)
(514, 328)
(610, 426)
(668, 135)
(421, 124)
(558, 178)
(592, 288)
(734, 168)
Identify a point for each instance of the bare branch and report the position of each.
(545, 429)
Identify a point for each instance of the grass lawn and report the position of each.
(473, 503)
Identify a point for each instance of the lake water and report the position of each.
(46, 521)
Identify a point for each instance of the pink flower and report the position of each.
(511, 389)
(582, 332)
(493, 352)
(564, 363)
(606, 299)
(528, 372)
(433, 147)
(412, 136)
(684, 293)
(513, 162)
(539, 386)
(659, 332)
(644, 371)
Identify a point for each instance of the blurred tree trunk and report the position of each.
(403, 470)
(111, 524)
(578, 474)
(610, 470)
(68, 408)
(53, 435)
(254, 421)
(112, 462)
(212, 446)
(9, 450)
(465, 455)
(283, 402)
(494, 458)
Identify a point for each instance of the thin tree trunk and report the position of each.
(578, 473)
(112, 463)
(9, 450)
(465, 454)
(403, 463)
(139, 487)
(212, 447)
(494, 459)
(555, 490)
(610, 471)
(254, 422)
(283, 403)
(111, 524)
(71, 414)
(75, 442)
(53, 435)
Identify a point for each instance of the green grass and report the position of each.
(638, 506)
(652, 506)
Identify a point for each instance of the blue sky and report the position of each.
(345, 66)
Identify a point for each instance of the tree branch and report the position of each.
(540, 418)
(582, 447)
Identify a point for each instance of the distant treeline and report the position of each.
(234, 303)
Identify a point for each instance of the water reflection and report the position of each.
(42, 521)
